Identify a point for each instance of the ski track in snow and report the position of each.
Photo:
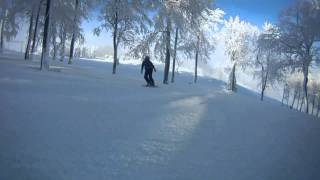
(80, 122)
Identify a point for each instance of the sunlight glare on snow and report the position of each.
(175, 128)
(13, 80)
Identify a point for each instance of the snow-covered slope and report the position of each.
(81, 122)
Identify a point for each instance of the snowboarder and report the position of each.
(148, 68)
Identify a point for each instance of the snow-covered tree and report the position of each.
(9, 11)
(169, 16)
(63, 38)
(160, 34)
(199, 41)
(267, 61)
(126, 19)
(74, 25)
(80, 12)
(36, 26)
(62, 25)
(238, 44)
(300, 30)
(196, 29)
(30, 13)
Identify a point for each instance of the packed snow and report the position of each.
(81, 122)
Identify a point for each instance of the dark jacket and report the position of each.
(147, 65)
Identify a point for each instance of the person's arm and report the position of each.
(142, 66)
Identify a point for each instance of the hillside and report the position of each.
(81, 122)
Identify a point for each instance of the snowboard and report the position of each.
(155, 86)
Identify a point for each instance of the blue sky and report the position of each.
(254, 11)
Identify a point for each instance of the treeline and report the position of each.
(279, 50)
(53, 24)
(293, 96)
(158, 27)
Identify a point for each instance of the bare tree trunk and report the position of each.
(55, 50)
(264, 83)
(318, 109)
(305, 84)
(283, 96)
(262, 93)
(301, 105)
(44, 57)
(2, 37)
(54, 44)
(115, 45)
(232, 79)
(299, 98)
(167, 60)
(27, 52)
(2, 33)
(115, 52)
(73, 39)
(175, 55)
(71, 54)
(313, 103)
(293, 100)
(63, 43)
(286, 95)
(34, 40)
(196, 61)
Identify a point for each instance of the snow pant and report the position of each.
(148, 77)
